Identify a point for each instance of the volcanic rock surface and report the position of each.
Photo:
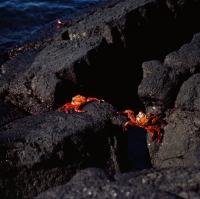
(138, 55)
(168, 183)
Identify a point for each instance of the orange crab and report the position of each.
(145, 121)
(62, 23)
(77, 102)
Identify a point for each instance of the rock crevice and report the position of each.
(137, 55)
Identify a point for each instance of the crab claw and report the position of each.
(94, 99)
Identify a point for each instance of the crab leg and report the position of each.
(76, 108)
(152, 129)
(130, 114)
(128, 123)
(156, 118)
(65, 107)
(159, 120)
(90, 99)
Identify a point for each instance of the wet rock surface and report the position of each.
(132, 54)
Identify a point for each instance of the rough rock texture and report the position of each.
(55, 145)
(101, 55)
(122, 34)
(9, 113)
(175, 83)
(115, 19)
(168, 183)
(189, 95)
(34, 87)
(181, 141)
(162, 81)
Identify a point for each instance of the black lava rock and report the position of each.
(116, 53)
(167, 183)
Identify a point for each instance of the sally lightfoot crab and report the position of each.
(62, 23)
(77, 102)
(145, 121)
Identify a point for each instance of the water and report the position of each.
(21, 18)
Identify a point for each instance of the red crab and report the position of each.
(145, 121)
(77, 102)
(61, 23)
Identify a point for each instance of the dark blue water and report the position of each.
(21, 18)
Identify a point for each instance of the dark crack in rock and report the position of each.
(9, 113)
(101, 55)
(36, 86)
(56, 145)
(162, 81)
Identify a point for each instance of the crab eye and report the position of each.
(140, 114)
